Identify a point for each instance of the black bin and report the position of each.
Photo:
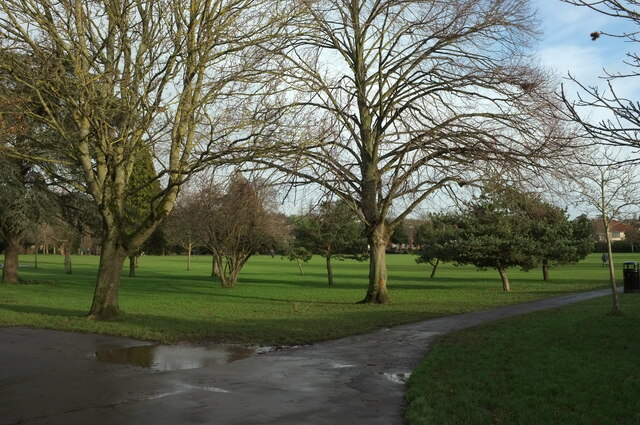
(631, 275)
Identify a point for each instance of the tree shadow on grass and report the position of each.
(46, 311)
(204, 284)
(295, 328)
(281, 300)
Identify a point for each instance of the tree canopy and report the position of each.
(112, 79)
(235, 224)
(620, 114)
(505, 228)
(333, 231)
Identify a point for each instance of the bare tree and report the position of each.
(115, 78)
(236, 224)
(620, 124)
(612, 190)
(397, 100)
(181, 225)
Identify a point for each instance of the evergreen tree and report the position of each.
(143, 189)
(505, 228)
(332, 232)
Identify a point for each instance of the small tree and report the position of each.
(632, 235)
(332, 232)
(235, 225)
(427, 235)
(559, 240)
(612, 189)
(563, 241)
(25, 202)
(180, 227)
(299, 254)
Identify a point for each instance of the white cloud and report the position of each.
(584, 63)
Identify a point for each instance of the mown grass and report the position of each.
(272, 303)
(570, 365)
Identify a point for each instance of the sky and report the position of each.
(567, 47)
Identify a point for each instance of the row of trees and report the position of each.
(383, 104)
(502, 229)
(237, 223)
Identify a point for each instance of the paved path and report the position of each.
(50, 377)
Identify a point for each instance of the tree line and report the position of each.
(501, 229)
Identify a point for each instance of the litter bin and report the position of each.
(631, 275)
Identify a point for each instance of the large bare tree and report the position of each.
(115, 78)
(396, 100)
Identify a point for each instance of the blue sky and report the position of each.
(567, 47)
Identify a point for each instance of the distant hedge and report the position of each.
(617, 246)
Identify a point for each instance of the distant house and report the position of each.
(617, 230)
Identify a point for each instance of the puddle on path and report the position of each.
(398, 378)
(174, 357)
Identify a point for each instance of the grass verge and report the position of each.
(272, 303)
(570, 365)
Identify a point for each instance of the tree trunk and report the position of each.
(105, 298)
(67, 261)
(615, 306)
(132, 266)
(215, 269)
(233, 264)
(35, 258)
(545, 269)
(189, 248)
(223, 270)
(300, 266)
(233, 277)
(329, 270)
(505, 279)
(435, 267)
(11, 260)
(377, 292)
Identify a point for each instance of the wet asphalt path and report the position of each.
(51, 377)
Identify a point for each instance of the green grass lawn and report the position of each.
(570, 365)
(272, 303)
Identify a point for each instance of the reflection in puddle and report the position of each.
(398, 378)
(174, 357)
